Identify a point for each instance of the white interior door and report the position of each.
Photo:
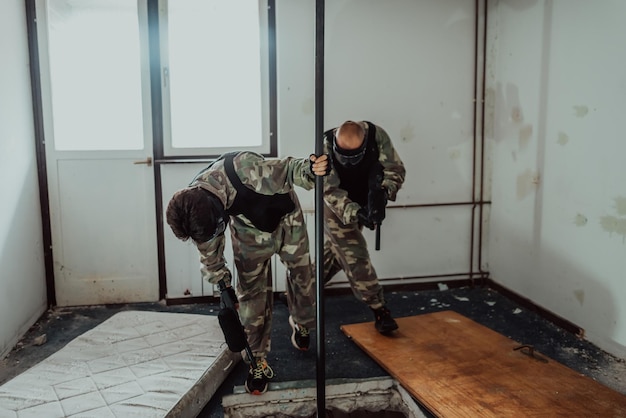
(95, 85)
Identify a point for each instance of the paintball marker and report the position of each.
(231, 324)
(376, 199)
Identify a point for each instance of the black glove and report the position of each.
(376, 202)
(229, 298)
(364, 218)
(328, 167)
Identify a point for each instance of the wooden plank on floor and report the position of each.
(456, 367)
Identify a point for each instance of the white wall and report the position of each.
(22, 276)
(407, 66)
(557, 89)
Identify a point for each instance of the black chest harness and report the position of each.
(264, 211)
(354, 179)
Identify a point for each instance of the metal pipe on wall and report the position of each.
(474, 130)
(40, 149)
(482, 142)
(478, 153)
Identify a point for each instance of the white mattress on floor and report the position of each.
(135, 364)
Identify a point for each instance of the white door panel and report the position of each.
(105, 237)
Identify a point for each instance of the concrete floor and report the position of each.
(344, 360)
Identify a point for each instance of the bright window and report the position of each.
(95, 77)
(212, 73)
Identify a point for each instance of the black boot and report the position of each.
(384, 322)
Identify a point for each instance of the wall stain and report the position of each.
(580, 220)
(581, 111)
(407, 133)
(454, 154)
(525, 133)
(563, 138)
(579, 294)
(503, 112)
(516, 114)
(620, 205)
(613, 224)
(527, 183)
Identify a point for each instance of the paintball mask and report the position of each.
(214, 223)
(220, 227)
(349, 157)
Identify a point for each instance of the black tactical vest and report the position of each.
(264, 211)
(354, 179)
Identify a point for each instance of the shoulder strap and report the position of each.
(372, 145)
(229, 166)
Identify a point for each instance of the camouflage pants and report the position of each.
(253, 250)
(345, 249)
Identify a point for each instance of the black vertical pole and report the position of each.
(40, 149)
(319, 207)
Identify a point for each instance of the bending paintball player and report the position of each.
(255, 197)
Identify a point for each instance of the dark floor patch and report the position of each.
(343, 358)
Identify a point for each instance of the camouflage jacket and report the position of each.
(264, 176)
(394, 173)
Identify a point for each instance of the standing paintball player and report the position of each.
(366, 173)
(256, 197)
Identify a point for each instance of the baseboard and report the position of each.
(531, 306)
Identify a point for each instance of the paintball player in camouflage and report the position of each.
(256, 196)
(354, 198)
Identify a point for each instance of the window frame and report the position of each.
(164, 152)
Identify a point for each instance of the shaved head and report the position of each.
(350, 135)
